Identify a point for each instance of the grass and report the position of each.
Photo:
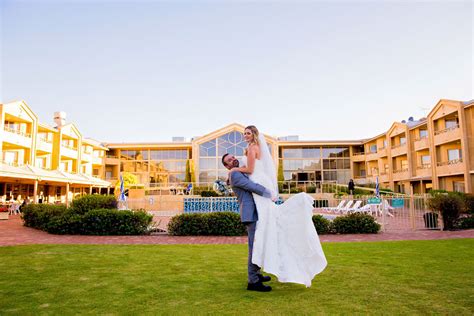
(408, 277)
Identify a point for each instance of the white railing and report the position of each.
(447, 129)
(16, 131)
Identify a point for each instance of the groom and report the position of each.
(243, 188)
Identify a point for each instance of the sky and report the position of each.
(145, 71)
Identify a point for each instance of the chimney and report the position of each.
(60, 119)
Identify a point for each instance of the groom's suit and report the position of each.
(243, 188)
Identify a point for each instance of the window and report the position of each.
(403, 140)
(10, 157)
(458, 186)
(425, 160)
(384, 143)
(451, 123)
(454, 154)
(404, 164)
(373, 148)
(423, 133)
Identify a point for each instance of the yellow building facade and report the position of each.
(45, 163)
(57, 162)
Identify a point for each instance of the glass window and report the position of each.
(329, 152)
(385, 143)
(329, 175)
(404, 164)
(451, 123)
(373, 148)
(423, 133)
(207, 163)
(403, 140)
(425, 160)
(329, 164)
(454, 154)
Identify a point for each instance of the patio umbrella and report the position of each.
(122, 197)
(377, 188)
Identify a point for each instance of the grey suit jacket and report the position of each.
(243, 188)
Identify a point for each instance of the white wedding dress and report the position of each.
(286, 243)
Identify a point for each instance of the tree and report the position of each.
(187, 176)
(281, 176)
(129, 179)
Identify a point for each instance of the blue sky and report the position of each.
(149, 70)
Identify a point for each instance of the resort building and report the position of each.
(44, 163)
(56, 163)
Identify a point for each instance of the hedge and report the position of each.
(83, 219)
(355, 223)
(228, 224)
(201, 224)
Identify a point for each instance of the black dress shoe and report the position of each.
(264, 278)
(259, 287)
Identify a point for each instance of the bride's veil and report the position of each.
(267, 162)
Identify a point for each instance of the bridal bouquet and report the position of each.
(221, 188)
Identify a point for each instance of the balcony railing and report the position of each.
(382, 148)
(424, 166)
(450, 162)
(12, 163)
(45, 140)
(112, 156)
(358, 154)
(69, 146)
(420, 138)
(398, 146)
(446, 129)
(400, 170)
(16, 131)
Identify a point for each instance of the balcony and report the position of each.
(447, 135)
(400, 174)
(17, 137)
(383, 177)
(424, 171)
(399, 150)
(358, 157)
(421, 143)
(382, 151)
(86, 157)
(451, 167)
(111, 160)
(69, 152)
(372, 156)
(44, 145)
(97, 161)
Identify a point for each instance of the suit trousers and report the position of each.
(253, 269)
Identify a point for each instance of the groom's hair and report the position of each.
(223, 157)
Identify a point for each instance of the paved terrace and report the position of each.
(12, 232)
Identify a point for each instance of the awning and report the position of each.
(35, 173)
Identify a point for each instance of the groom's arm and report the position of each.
(237, 179)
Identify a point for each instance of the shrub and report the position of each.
(188, 225)
(449, 206)
(200, 224)
(322, 225)
(57, 219)
(466, 222)
(355, 224)
(311, 189)
(114, 222)
(469, 203)
(86, 203)
(225, 224)
(39, 215)
(209, 194)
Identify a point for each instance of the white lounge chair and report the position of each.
(346, 208)
(355, 208)
(337, 208)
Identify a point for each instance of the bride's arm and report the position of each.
(251, 156)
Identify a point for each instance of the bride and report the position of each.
(286, 243)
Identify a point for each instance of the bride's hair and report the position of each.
(255, 134)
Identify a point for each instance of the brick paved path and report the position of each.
(12, 232)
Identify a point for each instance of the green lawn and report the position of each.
(409, 277)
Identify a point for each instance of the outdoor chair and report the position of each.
(346, 208)
(355, 208)
(334, 209)
(14, 208)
